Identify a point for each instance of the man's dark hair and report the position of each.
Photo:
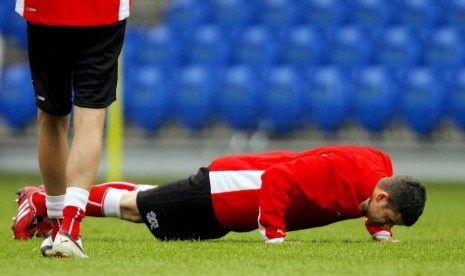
(407, 195)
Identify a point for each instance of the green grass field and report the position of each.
(434, 246)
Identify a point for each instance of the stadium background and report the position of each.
(203, 78)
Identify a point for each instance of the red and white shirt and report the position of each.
(74, 12)
(287, 191)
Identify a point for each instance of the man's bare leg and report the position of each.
(53, 151)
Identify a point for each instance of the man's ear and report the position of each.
(382, 195)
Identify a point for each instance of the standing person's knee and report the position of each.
(53, 122)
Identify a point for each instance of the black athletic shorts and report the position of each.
(64, 59)
(181, 210)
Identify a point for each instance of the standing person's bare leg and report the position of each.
(53, 151)
(81, 169)
(86, 148)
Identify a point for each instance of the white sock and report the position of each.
(144, 187)
(111, 202)
(77, 197)
(55, 206)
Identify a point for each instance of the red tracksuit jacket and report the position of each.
(74, 12)
(284, 191)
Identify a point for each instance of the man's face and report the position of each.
(380, 214)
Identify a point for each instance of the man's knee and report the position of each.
(48, 122)
(128, 207)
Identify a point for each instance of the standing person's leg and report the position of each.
(86, 147)
(53, 154)
(95, 73)
(53, 151)
(82, 165)
(81, 169)
(50, 60)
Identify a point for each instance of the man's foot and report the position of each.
(65, 247)
(26, 222)
(46, 247)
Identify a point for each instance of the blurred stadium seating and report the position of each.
(12, 25)
(17, 101)
(208, 46)
(454, 13)
(279, 16)
(232, 16)
(195, 92)
(373, 15)
(184, 16)
(283, 100)
(286, 64)
(456, 100)
(241, 98)
(444, 50)
(423, 100)
(397, 49)
(158, 45)
(257, 48)
(303, 47)
(5, 11)
(326, 15)
(328, 98)
(421, 16)
(375, 99)
(149, 101)
(351, 47)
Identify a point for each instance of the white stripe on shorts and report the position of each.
(228, 181)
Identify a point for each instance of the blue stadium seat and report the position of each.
(351, 48)
(444, 50)
(304, 47)
(184, 16)
(325, 14)
(232, 16)
(17, 29)
(454, 14)
(329, 98)
(132, 41)
(283, 100)
(456, 100)
(420, 15)
(148, 98)
(17, 101)
(208, 47)
(152, 45)
(280, 15)
(398, 49)
(376, 95)
(255, 47)
(423, 97)
(374, 15)
(6, 11)
(196, 97)
(241, 98)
